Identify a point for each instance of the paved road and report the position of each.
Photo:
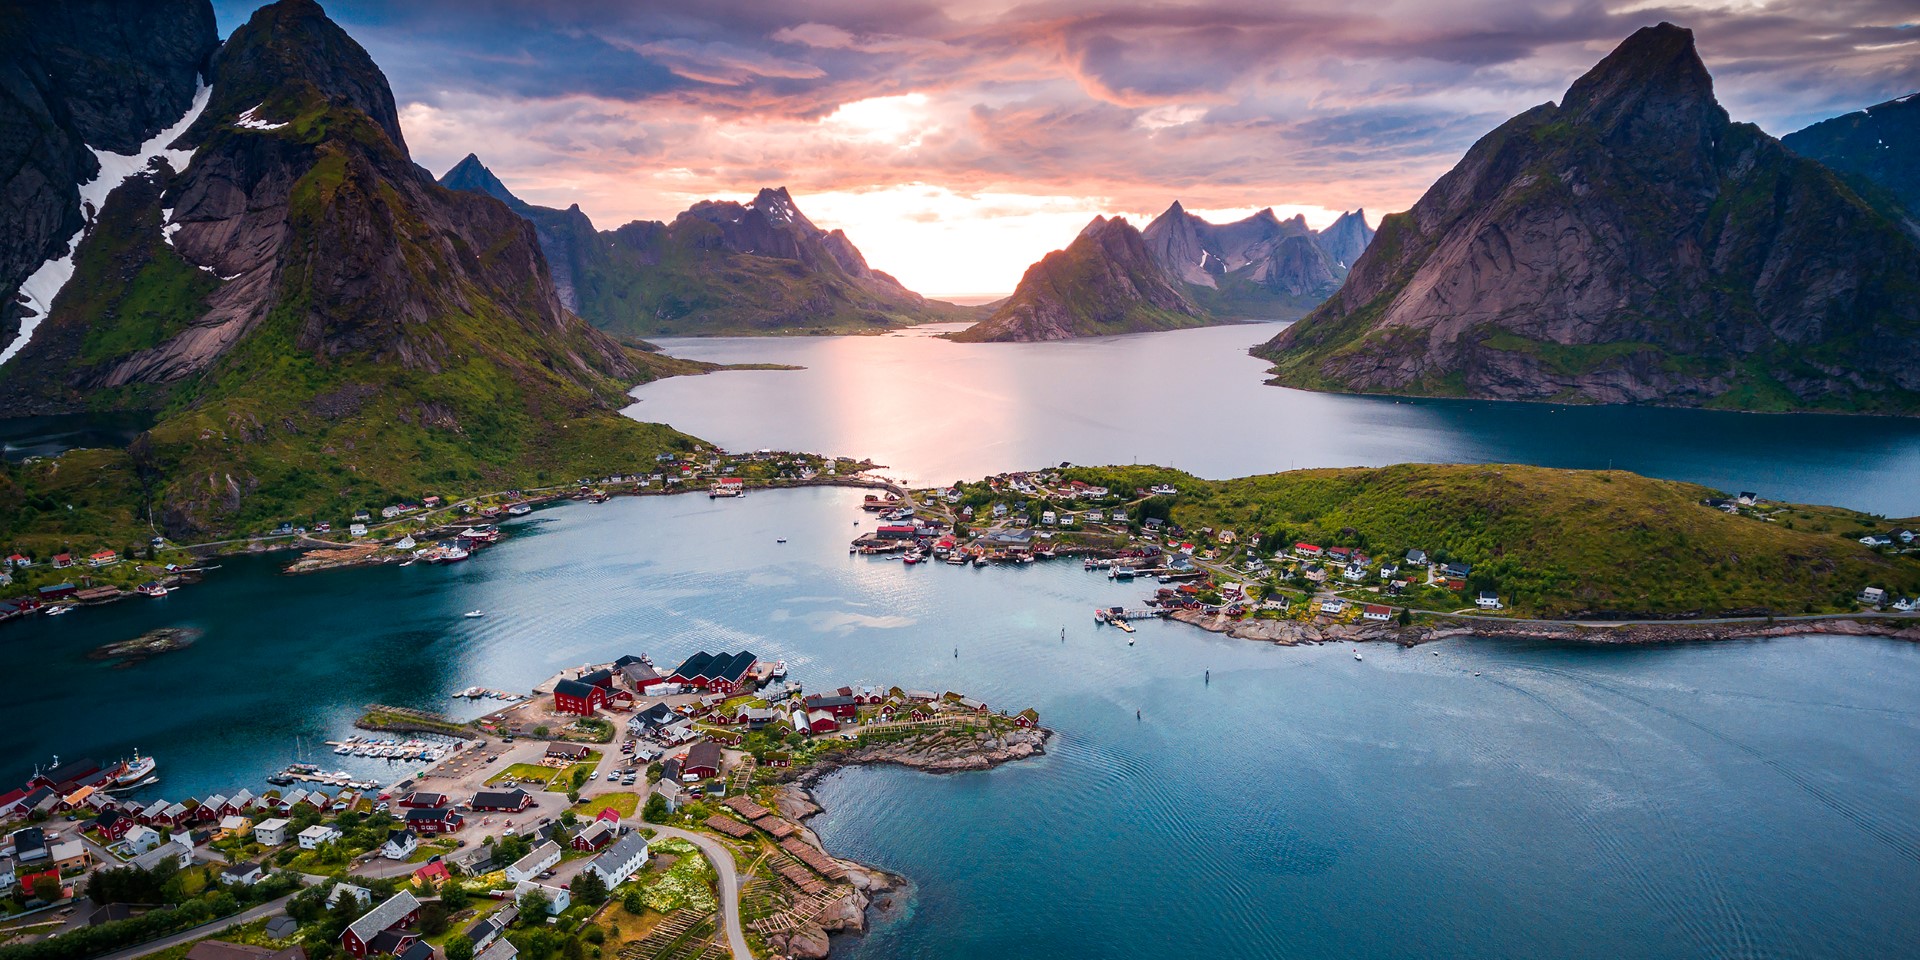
(722, 860)
(267, 909)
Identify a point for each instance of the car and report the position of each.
(510, 831)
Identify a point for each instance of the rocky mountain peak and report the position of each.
(473, 176)
(288, 48)
(1652, 96)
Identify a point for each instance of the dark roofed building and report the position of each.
(703, 760)
(577, 697)
(510, 801)
(724, 672)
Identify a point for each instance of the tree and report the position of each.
(635, 902)
(1406, 616)
(589, 889)
(455, 897)
(533, 908)
(433, 919)
(656, 809)
(47, 888)
(459, 947)
(569, 818)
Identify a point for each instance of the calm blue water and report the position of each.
(935, 412)
(1729, 800)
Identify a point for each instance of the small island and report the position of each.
(153, 643)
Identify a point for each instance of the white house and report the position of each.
(357, 530)
(174, 850)
(400, 845)
(526, 868)
(618, 863)
(271, 832)
(500, 949)
(1873, 596)
(557, 897)
(141, 839)
(359, 895)
(1487, 601)
(312, 837)
(242, 874)
(1333, 605)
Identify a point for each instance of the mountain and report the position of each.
(719, 268)
(1879, 145)
(1630, 244)
(82, 82)
(1192, 273)
(312, 319)
(1104, 282)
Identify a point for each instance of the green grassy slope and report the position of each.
(1553, 542)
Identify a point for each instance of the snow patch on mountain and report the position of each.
(45, 284)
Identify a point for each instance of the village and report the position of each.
(1024, 517)
(619, 807)
(57, 579)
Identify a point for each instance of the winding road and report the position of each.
(722, 860)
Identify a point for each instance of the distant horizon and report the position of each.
(956, 144)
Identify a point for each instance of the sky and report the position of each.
(957, 142)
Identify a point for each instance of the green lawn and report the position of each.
(558, 780)
(626, 803)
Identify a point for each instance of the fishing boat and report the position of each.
(519, 510)
(979, 559)
(153, 588)
(59, 610)
(134, 770)
(1120, 573)
(474, 614)
(451, 554)
(779, 669)
(779, 539)
(957, 558)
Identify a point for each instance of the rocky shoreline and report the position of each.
(1294, 633)
(877, 893)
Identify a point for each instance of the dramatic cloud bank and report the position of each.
(958, 141)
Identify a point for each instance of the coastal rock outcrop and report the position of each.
(1104, 282)
(1629, 244)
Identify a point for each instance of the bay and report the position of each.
(1496, 800)
(934, 411)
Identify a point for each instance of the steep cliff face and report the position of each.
(78, 79)
(303, 301)
(1104, 282)
(1628, 245)
(1879, 145)
(720, 267)
(1261, 267)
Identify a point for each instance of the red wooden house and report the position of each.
(573, 696)
(378, 931)
(426, 821)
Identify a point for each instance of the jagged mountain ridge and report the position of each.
(303, 301)
(719, 267)
(1181, 271)
(1630, 244)
(1879, 145)
(1105, 282)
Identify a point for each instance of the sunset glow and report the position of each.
(958, 143)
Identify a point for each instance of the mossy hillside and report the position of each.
(1551, 542)
(676, 286)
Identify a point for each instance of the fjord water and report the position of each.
(1496, 800)
(935, 411)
